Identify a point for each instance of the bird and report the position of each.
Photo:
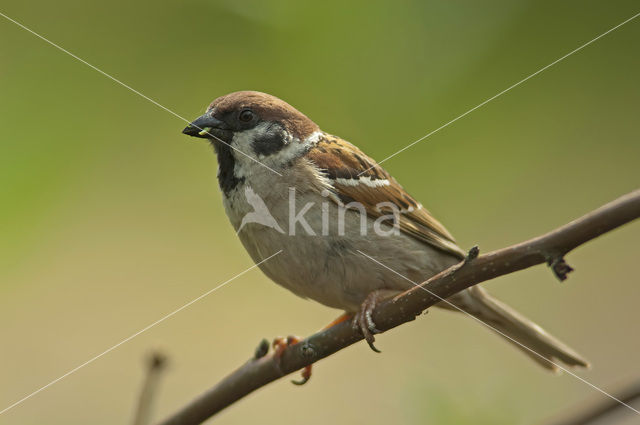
(328, 203)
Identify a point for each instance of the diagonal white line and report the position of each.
(109, 76)
(146, 328)
(503, 334)
(503, 91)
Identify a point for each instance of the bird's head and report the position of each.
(253, 123)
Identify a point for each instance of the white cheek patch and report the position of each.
(285, 155)
(276, 157)
(243, 140)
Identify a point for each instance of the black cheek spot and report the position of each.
(269, 143)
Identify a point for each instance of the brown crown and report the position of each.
(269, 108)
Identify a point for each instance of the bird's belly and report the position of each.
(334, 269)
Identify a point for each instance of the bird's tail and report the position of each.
(517, 329)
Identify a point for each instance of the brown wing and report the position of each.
(356, 177)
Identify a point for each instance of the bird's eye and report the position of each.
(245, 116)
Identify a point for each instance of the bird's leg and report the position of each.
(279, 345)
(363, 320)
(342, 318)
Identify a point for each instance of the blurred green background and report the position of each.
(111, 218)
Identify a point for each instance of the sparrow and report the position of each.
(331, 203)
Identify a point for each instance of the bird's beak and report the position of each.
(206, 127)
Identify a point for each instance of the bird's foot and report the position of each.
(364, 321)
(279, 345)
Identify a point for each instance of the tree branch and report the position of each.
(549, 248)
(156, 364)
(594, 411)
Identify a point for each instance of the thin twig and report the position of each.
(155, 365)
(593, 411)
(549, 248)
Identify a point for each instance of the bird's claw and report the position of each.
(279, 345)
(363, 321)
(306, 375)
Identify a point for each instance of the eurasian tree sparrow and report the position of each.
(267, 148)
